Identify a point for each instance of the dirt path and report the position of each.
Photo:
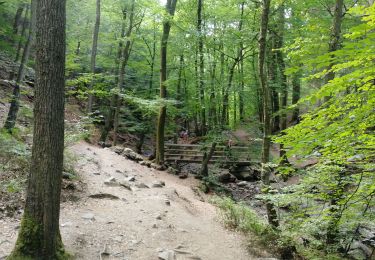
(143, 223)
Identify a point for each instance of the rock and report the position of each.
(158, 184)
(246, 173)
(167, 255)
(130, 179)
(142, 186)
(159, 217)
(145, 163)
(158, 167)
(88, 216)
(68, 175)
(172, 170)
(96, 173)
(357, 157)
(167, 202)
(357, 254)
(111, 182)
(130, 154)
(356, 245)
(226, 178)
(117, 149)
(104, 196)
(316, 154)
(242, 184)
(126, 185)
(183, 175)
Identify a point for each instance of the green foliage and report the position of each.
(337, 194)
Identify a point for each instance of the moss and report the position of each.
(29, 242)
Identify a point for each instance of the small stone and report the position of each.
(154, 226)
(88, 216)
(183, 176)
(142, 186)
(158, 184)
(242, 184)
(159, 217)
(104, 196)
(131, 178)
(111, 182)
(96, 173)
(126, 185)
(167, 202)
(167, 255)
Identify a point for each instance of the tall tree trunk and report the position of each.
(23, 32)
(271, 211)
(113, 102)
(124, 62)
(17, 20)
(201, 68)
(39, 235)
(170, 8)
(272, 73)
(212, 110)
(241, 67)
(93, 55)
(283, 78)
(296, 83)
(10, 122)
(335, 40)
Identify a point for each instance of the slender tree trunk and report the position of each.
(272, 72)
(212, 110)
(271, 211)
(201, 68)
(124, 61)
(283, 78)
(241, 67)
(113, 102)
(296, 82)
(10, 122)
(23, 32)
(39, 235)
(93, 55)
(17, 19)
(170, 8)
(335, 40)
(206, 160)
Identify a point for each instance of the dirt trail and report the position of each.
(139, 224)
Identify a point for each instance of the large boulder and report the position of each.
(130, 154)
(246, 173)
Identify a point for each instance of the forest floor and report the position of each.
(121, 210)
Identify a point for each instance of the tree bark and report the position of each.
(201, 68)
(296, 83)
(93, 55)
(271, 211)
(10, 122)
(124, 62)
(39, 236)
(335, 39)
(23, 31)
(170, 8)
(283, 78)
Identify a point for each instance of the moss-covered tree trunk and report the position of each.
(271, 211)
(39, 235)
(170, 8)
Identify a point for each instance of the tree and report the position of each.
(94, 53)
(170, 9)
(15, 101)
(271, 212)
(39, 235)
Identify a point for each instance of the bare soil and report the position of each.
(136, 223)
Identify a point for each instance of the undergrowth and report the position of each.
(239, 216)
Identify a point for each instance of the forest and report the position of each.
(248, 118)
